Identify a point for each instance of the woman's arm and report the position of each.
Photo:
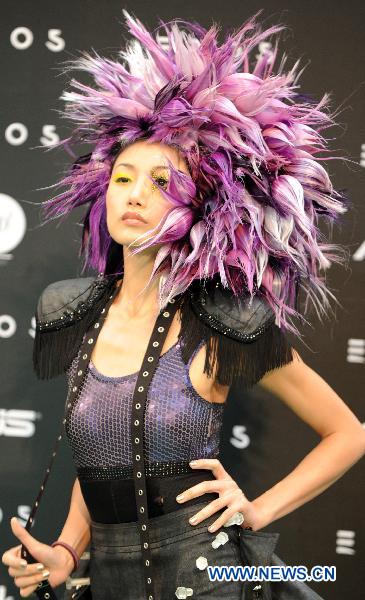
(342, 444)
(76, 530)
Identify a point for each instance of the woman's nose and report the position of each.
(140, 190)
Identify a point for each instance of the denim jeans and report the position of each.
(116, 565)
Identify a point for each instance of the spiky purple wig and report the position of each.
(248, 213)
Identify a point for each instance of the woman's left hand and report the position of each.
(230, 495)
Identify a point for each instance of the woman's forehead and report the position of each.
(154, 153)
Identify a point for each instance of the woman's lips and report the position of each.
(130, 221)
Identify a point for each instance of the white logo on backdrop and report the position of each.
(3, 593)
(23, 513)
(240, 439)
(359, 254)
(17, 133)
(345, 541)
(21, 38)
(362, 155)
(18, 423)
(13, 225)
(356, 350)
(31, 331)
(7, 326)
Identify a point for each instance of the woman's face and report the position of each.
(130, 190)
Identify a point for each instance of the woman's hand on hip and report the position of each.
(230, 496)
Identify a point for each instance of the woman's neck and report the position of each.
(138, 296)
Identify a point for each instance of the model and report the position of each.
(203, 192)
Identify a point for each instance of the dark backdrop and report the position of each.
(262, 439)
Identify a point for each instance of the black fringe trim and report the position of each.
(54, 350)
(233, 361)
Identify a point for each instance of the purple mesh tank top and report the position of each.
(179, 424)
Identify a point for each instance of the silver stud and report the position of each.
(136, 422)
(149, 580)
(150, 597)
(201, 563)
(84, 356)
(68, 405)
(144, 527)
(138, 457)
(145, 545)
(138, 404)
(141, 510)
(139, 474)
(103, 311)
(96, 325)
(147, 563)
(140, 492)
(90, 341)
(145, 373)
(136, 440)
(64, 421)
(172, 301)
(79, 372)
(155, 344)
(141, 388)
(74, 388)
(59, 437)
(166, 313)
(150, 358)
(161, 329)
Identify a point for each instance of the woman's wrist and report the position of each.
(70, 554)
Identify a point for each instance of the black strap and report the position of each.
(44, 591)
(149, 364)
(144, 378)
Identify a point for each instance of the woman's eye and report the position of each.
(122, 178)
(161, 181)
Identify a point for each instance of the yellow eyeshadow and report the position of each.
(117, 175)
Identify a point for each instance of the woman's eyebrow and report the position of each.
(133, 167)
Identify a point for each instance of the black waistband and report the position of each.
(152, 469)
(113, 501)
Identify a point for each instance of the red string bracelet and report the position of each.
(71, 551)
